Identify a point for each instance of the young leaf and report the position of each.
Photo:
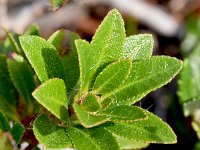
(112, 77)
(33, 30)
(125, 114)
(56, 4)
(138, 47)
(88, 120)
(50, 135)
(69, 57)
(90, 103)
(106, 47)
(52, 95)
(43, 57)
(22, 77)
(129, 144)
(13, 41)
(4, 124)
(70, 63)
(57, 38)
(186, 80)
(151, 130)
(17, 132)
(92, 139)
(145, 76)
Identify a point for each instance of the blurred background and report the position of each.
(174, 24)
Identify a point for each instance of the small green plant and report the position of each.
(85, 98)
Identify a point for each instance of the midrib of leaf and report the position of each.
(97, 65)
(141, 80)
(87, 136)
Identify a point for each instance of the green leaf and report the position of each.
(43, 57)
(145, 76)
(52, 95)
(90, 103)
(71, 64)
(194, 64)
(13, 41)
(125, 114)
(138, 47)
(57, 39)
(50, 135)
(17, 132)
(4, 124)
(88, 120)
(7, 91)
(106, 47)
(92, 139)
(186, 80)
(69, 57)
(130, 144)
(56, 4)
(33, 30)
(112, 77)
(151, 130)
(22, 77)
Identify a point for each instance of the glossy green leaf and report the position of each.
(125, 114)
(50, 135)
(33, 30)
(138, 47)
(92, 139)
(151, 130)
(52, 95)
(186, 80)
(106, 47)
(43, 57)
(71, 64)
(130, 144)
(22, 76)
(17, 132)
(4, 124)
(90, 103)
(112, 77)
(57, 39)
(145, 76)
(88, 120)
(56, 4)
